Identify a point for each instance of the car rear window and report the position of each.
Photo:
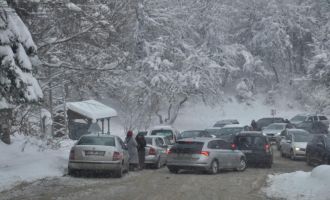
(187, 147)
(323, 118)
(190, 134)
(104, 141)
(251, 142)
(149, 140)
(302, 137)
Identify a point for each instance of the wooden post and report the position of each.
(102, 120)
(108, 126)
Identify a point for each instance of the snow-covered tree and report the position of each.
(18, 60)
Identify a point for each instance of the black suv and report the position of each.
(255, 146)
(318, 150)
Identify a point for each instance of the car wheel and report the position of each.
(292, 156)
(173, 170)
(308, 159)
(157, 164)
(214, 167)
(119, 173)
(72, 172)
(242, 165)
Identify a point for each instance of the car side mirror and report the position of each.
(289, 141)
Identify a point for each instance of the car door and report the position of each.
(160, 148)
(232, 157)
(218, 153)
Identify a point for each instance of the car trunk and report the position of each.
(187, 151)
(94, 153)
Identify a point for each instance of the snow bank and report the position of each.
(300, 185)
(24, 160)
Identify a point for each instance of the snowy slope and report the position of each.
(300, 185)
(17, 165)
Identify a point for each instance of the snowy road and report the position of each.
(157, 184)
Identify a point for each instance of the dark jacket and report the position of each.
(141, 141)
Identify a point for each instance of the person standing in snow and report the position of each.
(141, 141)
(132, 150)
(254, 125)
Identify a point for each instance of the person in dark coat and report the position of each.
(132, 150)
(254, 125)
(141, 141)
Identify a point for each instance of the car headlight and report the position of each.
(297, 149)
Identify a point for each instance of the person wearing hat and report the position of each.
(132, 150)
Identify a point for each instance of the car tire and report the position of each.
(157, 165)
(72, 172)
(118, 173)
(214, 167)
(308, 159)
(292, 156)
(242, 166)
(173, 170)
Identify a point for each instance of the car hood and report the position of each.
(300, 144)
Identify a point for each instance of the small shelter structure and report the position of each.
(85, 116)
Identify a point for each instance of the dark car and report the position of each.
(224, 122)
(263, 122)
(318, 150)
(193, 134)
(313, 127)
(255, 146)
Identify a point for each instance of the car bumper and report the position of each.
(188, 165)
(151, 159)
(300, 153)
(92, 165)
(257, 158)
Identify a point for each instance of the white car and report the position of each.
(309, 118)
(169, 131)
(294, 143)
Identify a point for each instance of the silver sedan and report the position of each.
(205, 154)
(156, 150)
(100, 153)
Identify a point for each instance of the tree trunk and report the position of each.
(176, 112)
(5, 122)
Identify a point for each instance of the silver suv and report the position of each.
(300, 118)
(206, 154)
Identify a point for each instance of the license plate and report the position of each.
(246, 151)
(94, 153)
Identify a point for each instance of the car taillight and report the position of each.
(205, 153)
(168, 151)
(233, 146)
(267, 148)
(71, 154)
(116, 156)
(152, 151)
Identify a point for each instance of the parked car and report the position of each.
(99, 153)
(300, 118)
(313, 127)
(255, 146)
(156, 151)
(206, 154)
(170, 132)
(194, 133)
(224, 122)
(229, 131)
(318, 150)
(294, 144)
(263, 122)
(273, 131)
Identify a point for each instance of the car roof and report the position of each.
(250, 133)
(98, 135)
(309, 114)
(197, 139)
(192, 131)
(227, 121)
(161, 127)
(296, 130)
(155, 136)
(234, 126)
(270, 118)
(214, 128)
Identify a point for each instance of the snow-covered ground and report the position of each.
(300, 185)
(27, 160)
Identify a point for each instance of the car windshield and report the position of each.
(228, 131)
(275, 127)
(298, 118)
(148, 140)
(302, 137)
(104, 141)
(190, 134)
(167, 133)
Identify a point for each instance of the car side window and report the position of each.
(212, 144)
(310, 119)
(159, 142)
(122, 144)
(323, 118)
(283, 133)
(223, 144)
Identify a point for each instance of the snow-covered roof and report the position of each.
(92, 109)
